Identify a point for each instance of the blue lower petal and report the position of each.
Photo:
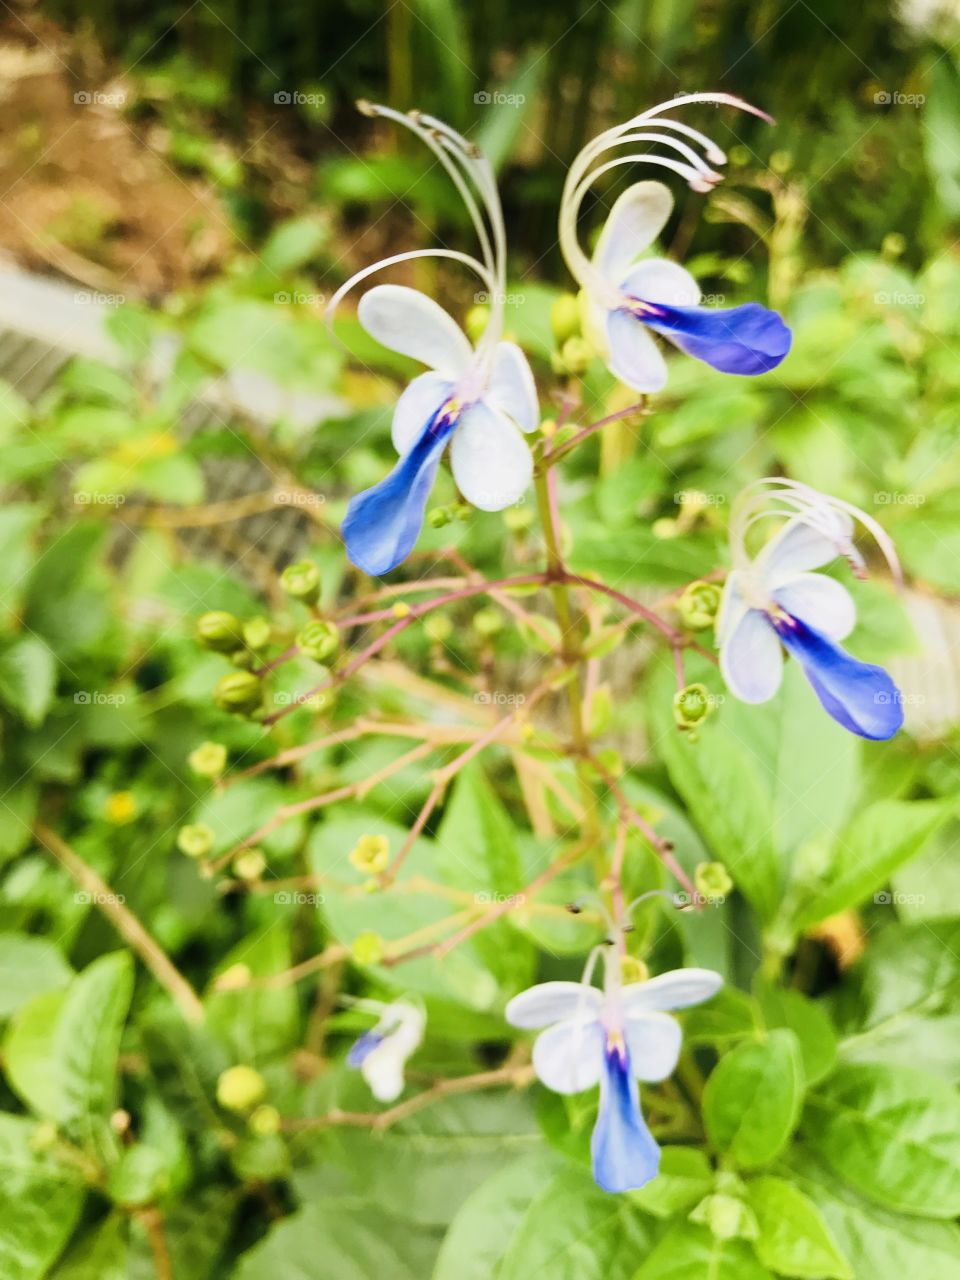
(382, 523)
(857, 694)
(746, 340)
(625, 1155)
(363, 1047)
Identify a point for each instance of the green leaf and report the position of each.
(873, 846)
(784, 1007)
(752, 1099)
(685, 1177)
(794, 1239)
(893, 1133)
(574, 1229)
(257, 1022)
(293, 243)
(17, 523)
(29, 1060)
(29, 967)
(28, 678)
(689, 1252)
(487, 1220)
(40, 1202)
(340, 1241)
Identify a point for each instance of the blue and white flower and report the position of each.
(381, 1053)
(626, 299)
(774, 601)
(613, 1038)
(476, 399)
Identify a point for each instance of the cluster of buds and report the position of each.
(573, 351)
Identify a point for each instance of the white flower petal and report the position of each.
(633, 224)
(822, 603)
(654, 1043)
(659, 280)
(491, 461)
(407, 321)
(568, 1057)
(732, 607)
(419, 402)
(512, 389)
(674, 990)
(383, 1072)
(552, 1002)
(751, 660)
(798, 547)
(634, 356)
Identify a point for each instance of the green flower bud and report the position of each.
(208, 760)
(894, 244)
(371, 854)
(518, 519)
(220, 631)
(476, 321)
(438, 627)
(487, 622)
(698, 605)
(302, 581)
(462, 511)
(633, 970)
(576, 354)
(727, 1217)
(43, 1137)
(319, 640)
(691, 706)
(249, 865)
(240, 1088)
(265, 1121)
(781, 161)
(257, 633)
(437, 517)
(196, 840)
(565, 318)
(243, 658)
(367, 948)
(712, 880)
(240, 692)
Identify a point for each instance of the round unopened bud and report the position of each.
(120, 1120)
(437, 517)
(664, 528)
(120, 808)
(548, 428)
(565, 318)
(438, 628)
(196, 840)
(243, 658)
(518, 519)
(302, 581)
(240, 1088)
(401, 609)
(240, 692)
(367, 948)
(487, 622)
(220, 631)
(727, 1217)
(475, 321)
(249, 865)
(208, 760)
(712, 880)
(462, 511)
(265, 1121)
(319, 640)
(698, 605)
(691, 706)
(893, 245)
(633, 970)
(781, 161)
(370, 854)
(257, 633)
(576, 354)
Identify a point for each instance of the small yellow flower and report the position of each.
(401, 609)
(367, 948)
(240, 1088)
(120, 808)
(370, 854)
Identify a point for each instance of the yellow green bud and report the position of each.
(633, 970)
(319, 640)
(120, 808)
(242, 658)
(487, 622)
(518, 519)
(240, 1088)
(367, 948)
(781, 161)
(265, 1121)
(565, 318)
(196, 840)
(401, 609)
(302, 581)
(249, 865)
(235, 978)
(208, 760)
(257, 633)
(894, 244)
(370, 854)
(576, 354)
(691, 706)
(44, 1136)
(727, 1217)
(437, 517)
(476, 321)
(698, 605)
(438, 627)
(240, 692)
(220, 631)
(712, 880)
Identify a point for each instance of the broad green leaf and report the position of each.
(870, 849)
(40, 1202)
(293, 243)
(17, 523)
(784, 1007)
(484, 1225)
(880, 1245)
(257, 1022)
(752, 1099)
(794, 1240)
(102, 1252)
(573, 1229)
(685, 1177)
(340, 1241)
(28, 678)
(893, 1133)
(690, 1252)
(29, 967)
(29, 1054)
